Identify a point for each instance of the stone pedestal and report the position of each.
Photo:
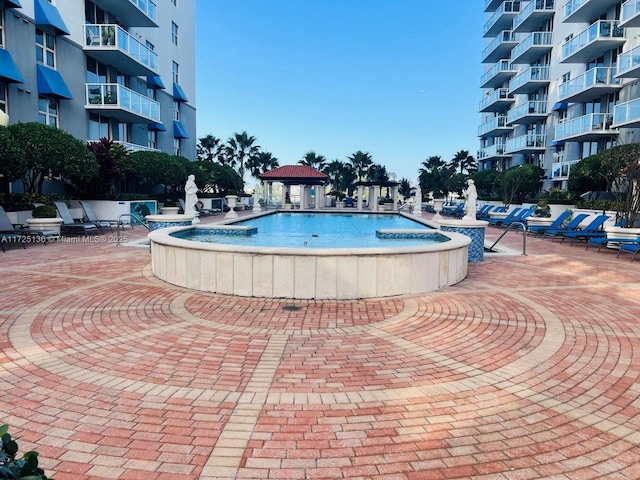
(164, 221)
(437, 206)
(232, 202)
(474, 229)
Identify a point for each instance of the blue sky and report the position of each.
(396, 78)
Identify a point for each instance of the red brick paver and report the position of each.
(528, 369)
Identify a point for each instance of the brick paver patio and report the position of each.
(527, 369)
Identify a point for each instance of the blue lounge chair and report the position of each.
(594, 229)
(633, 249)
(574, 224)
(69, 225)
(616, 241)
(484, 211)
(521, 217)
(557, 223)
(508, 218)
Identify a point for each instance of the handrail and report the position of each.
(524, 236)
(142, 222)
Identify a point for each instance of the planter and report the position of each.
(44, 224)
(538, 221)
(169, 210)
(619, 232)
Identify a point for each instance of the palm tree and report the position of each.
(313, 160)
(378, 174)
(361, 162)
(465, 162)
(242, 147)
(261, 163)
(405, 188)
(434, 175)
(334, 170)
(209, 149)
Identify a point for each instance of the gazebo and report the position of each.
(304, 176)
(372, 194)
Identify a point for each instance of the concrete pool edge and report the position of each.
(341, 274)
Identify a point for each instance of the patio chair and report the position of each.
(40, 236)
(557, 223)
(615, 241)
(594, 229)
(633, 249)
(69, 225)
(521, 217)
(574, 224)
(11, 238)
(93, 218)
(499, 221)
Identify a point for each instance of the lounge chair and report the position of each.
(557, 223)
(69, 225)
(574, 224)
(93, 218)
(521, 217)
(632, 248)
(37, 236)
(590, 231)
(495, 221)
(12, 238)
(617, 241)
(203, 212)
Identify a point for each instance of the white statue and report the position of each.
(191, 198)
(417, 202)
(471, 197)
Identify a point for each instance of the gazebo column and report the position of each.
(360, 197)
(286, 189)
(304, 201)
(394, 196)
(373, 193)
(319, 197)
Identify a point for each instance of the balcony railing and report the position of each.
(627, 114)
(534, 109)
(586, 127)
(499, 47)
(496, 124)
(131, 13)
(530, 142)
(114, 45)
(532, 47)
(495, 150)
(585, 11)
(629, 63)
(630, 16)
(496, 76)
(600, 37)
(502, 18)
(592, 83)
(122, 102)
(535, 12)
(532, 76)
(560, 170)
(500, 97)
(491, 5)
(147, 7)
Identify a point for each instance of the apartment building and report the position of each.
(560, 83)
(122, 69)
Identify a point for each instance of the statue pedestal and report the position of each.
(164, 221)
(232, 202)
(437, 206)
(473, 229)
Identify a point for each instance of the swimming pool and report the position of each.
(319, 230)
(348, 271)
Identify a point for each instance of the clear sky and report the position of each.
(396, 78)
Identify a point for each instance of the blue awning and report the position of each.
(8, 70)
(157, 127)
(557, 143)
(559, 106)
(12, 4)
(47, 16)
(51, 84)
(178, 93)
(179, 130)
(155, 82)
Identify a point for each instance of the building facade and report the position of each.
(121, 69)
(560, 83)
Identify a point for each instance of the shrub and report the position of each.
(25, 468)
(44, 211)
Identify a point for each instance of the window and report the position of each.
(176, 146)
(176, 111)
(98, 127)
(3, 97)
(48, 111)
(174, 33)
(176, 73)
(45, 48)
(152, 139)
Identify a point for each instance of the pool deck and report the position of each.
(529, 368)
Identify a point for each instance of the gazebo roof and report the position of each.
(295, 175)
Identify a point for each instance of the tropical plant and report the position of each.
(262, 163)
(623, 162)
(44, 211)
(209, 149)
(464, 162)
(111, 157)
(313, 160)
(592, 175)
(361, 162)
(241, 147)
(25, 468)
(342, 176)
(520, 182)
(405, 188)
(13, 164)
(434, 175)
(487, 183)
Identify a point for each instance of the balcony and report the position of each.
(115, 101)
(501, 19)
(630, 16)
(627, 114)
(560, 170)
(528, 112)
(500, 47)
(601, 37)
(492, 152)
(529, 143)
(497, 75)
(133, 13)
(113, 45)
(132, 147)
(497, 101)
(496, 127)
(532, 79)
(533, 15)
(534, 46)
(491, 5)
(591, 85)
(629, 64)
(587, 128)
(585, 11)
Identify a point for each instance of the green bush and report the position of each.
(44, 211)
(25, 468)
(598, 205)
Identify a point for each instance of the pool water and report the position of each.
(319, 230)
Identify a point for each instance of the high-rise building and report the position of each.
(560, 83)
(122, 69)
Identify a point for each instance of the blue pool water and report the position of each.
(319, 230)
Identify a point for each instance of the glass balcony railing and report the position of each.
(627, 113)
(536, 108)
(114, 37)
(531, 74)
(629, 61)
(561, 169)
(504, 37)
(630, 10)
(573, 5)
(497, 149)
(602, 29)
(589, 79)
(492, 125)
(147, 6)
(535, 39)
(530, 141)
(496, 96)
(114, 96)
(501, 66)
(506, 8)
(536, 5)
(591, 123)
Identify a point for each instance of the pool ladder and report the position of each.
(133, 216)
(524, 236)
